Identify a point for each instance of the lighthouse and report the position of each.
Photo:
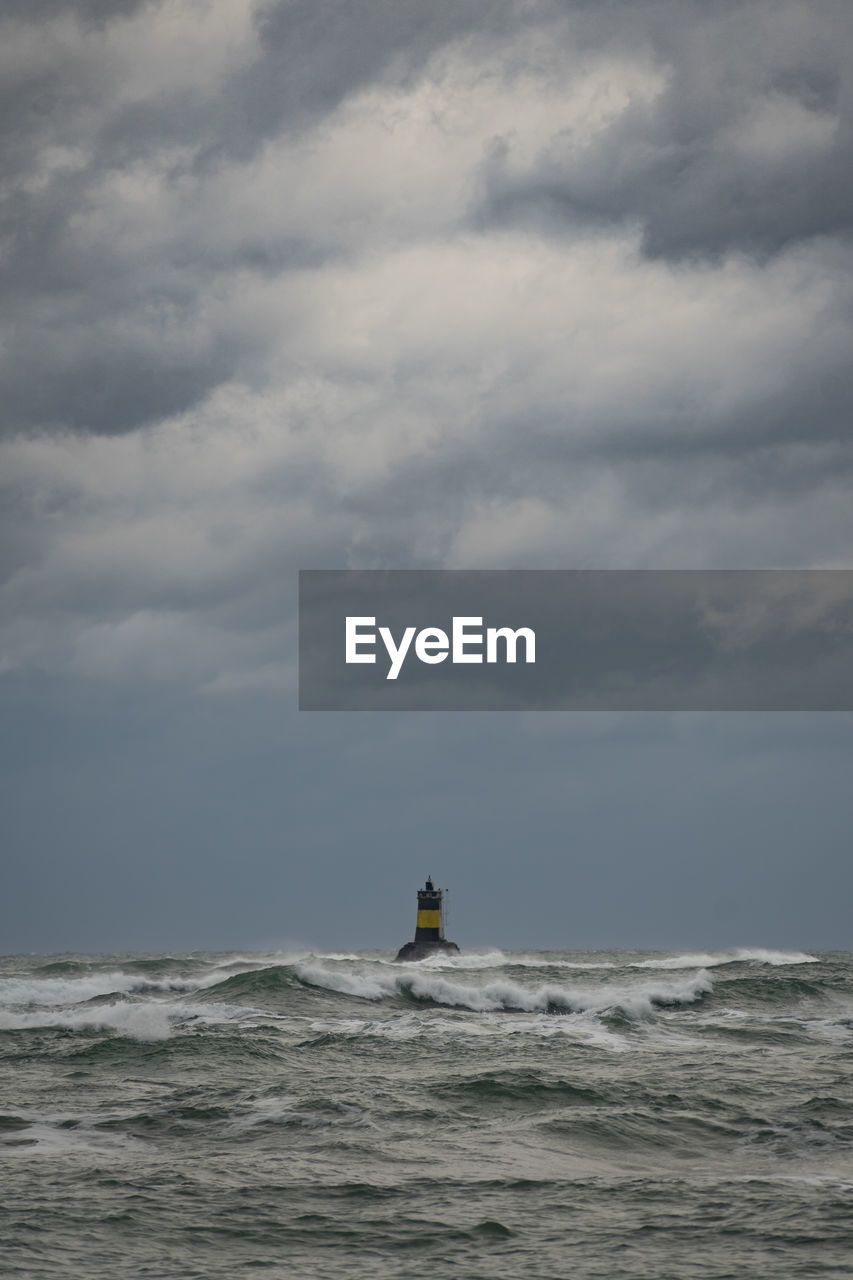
(429, 931)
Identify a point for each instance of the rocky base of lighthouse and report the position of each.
(420, 950)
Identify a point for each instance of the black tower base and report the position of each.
(420, 950)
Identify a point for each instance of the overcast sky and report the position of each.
(425, 284)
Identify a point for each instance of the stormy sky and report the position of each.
(460, 284)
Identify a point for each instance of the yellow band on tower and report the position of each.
(428, 919)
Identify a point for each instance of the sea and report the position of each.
(536, 1114)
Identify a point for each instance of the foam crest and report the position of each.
(406, 1026)
(264, 1111)
(53, 991)
(51, 1138)
(149, 1021)
(465, 960)
(548, 960)
(637, 1001)
(584, 1027)
(145, 1020)
(712, 959)
(348, 984)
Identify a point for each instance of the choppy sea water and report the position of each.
(487, 1115)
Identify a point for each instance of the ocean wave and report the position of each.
(737, 955)
(71, 991)
(265, 971)
(287, 1111)
(635, 1001)
(585, 1027)
(150, 1021)
(36, 1136)
(75, 990)
(144, 1020)
(492, 959)
(496, 959)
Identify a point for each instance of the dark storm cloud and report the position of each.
(248, 229)
(66, 93)
(110, 256)
(748, 147)
(315, 53)
(91, 12)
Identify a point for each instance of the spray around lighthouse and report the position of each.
(429, 929)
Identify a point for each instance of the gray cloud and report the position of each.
(747, 147)
(442, 285)
(100, 99)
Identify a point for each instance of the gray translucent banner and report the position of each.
(585, 640)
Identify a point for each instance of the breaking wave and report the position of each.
(146, 1020)
(53, 991)
(148, 1001)
(636, 1001)
(495, 959)
(738, 955)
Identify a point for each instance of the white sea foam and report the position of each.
(336, 955)
(148, 1021)
(287, 1109)
(53, 991)
(671, 960)
(636, 1000)
(262, 1111)
(495, 959)
(466, 960)
(584, 1027)
(144, 1020)
(407, 1026)
(51, 1138)
(77, 990)
(712, 959)
(829, 1028)
(348, 984)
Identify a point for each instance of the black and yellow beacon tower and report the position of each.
(429, 931)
